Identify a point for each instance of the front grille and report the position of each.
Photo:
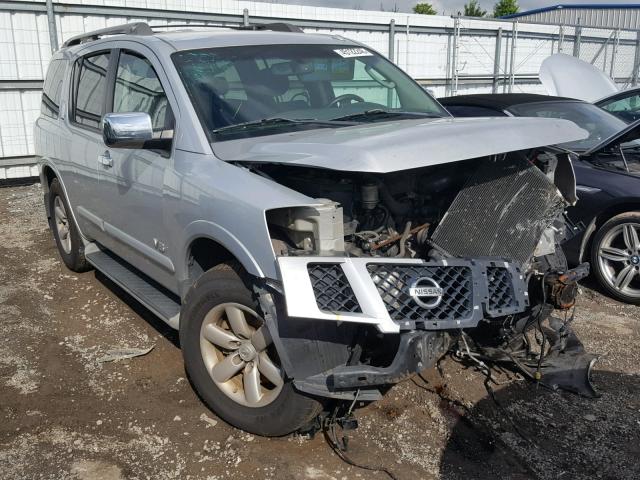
(394, 281)
(501, 293)
(331, 288)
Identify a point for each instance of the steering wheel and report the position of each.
(304, 95)
(350, 97)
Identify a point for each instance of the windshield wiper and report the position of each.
(378, 113)
(276, 122)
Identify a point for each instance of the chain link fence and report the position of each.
(447, 56)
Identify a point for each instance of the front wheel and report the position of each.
(232, 362)
(615, 257)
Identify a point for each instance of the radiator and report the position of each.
(501, 211)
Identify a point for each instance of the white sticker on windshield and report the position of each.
(353, 52)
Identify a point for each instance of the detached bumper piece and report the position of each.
(568, 366)
(403, 294)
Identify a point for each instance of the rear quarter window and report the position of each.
(52, 88)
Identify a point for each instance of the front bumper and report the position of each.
(382, 291)
(416, 351)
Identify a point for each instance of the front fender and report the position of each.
(611, 209)
(219, 234)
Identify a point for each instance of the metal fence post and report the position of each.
(561, 39)
(447, 79)
(53, 30)
(406, 46)
(614, 53)
(576, 42)
(392, 40)
(496, 61)
(245, 17)
(512, 66)
(454, 55)
(636, 61)
(391, 56)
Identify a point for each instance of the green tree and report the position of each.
(505, 7)
(472, 9)
(424, 9)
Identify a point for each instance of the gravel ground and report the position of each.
(66, 414)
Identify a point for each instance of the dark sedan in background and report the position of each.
(624, 105)
(607, 167)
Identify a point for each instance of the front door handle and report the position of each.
(105, 160)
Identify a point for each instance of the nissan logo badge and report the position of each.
(426, 292)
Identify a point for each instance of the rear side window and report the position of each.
(91, 89)
(52, 89)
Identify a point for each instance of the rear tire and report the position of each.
(615, 257)
(209, 340)
(65, 231)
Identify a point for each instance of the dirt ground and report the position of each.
(66, 414)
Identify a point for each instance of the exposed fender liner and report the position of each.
(217, 233)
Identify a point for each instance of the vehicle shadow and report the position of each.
(162, 328)
(529, 432)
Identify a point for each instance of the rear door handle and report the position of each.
(105, 160)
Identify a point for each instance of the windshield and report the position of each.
(600, 124)
(235, 89)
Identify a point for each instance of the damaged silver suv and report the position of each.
(313, 222)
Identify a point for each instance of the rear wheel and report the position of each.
(64, 229)
(615, 257)
(232, 362)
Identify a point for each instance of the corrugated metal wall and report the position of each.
(614, 18)
(429, 48)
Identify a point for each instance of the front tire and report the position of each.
(231, 361)
(65, 231)
(615, 257)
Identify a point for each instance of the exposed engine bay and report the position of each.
(498, 206)
(503, 215)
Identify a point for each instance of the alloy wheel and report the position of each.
(62, 224)
(237, 352)
(619, 258)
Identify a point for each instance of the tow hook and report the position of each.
(563, 287)
(341, 415)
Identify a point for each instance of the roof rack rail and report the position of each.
(275, 27)
(136, 28)
(143, 28)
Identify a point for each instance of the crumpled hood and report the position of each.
(565, 76)
(400, 145)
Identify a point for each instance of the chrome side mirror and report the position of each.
(126, 130)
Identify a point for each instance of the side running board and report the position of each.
(156, 298)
